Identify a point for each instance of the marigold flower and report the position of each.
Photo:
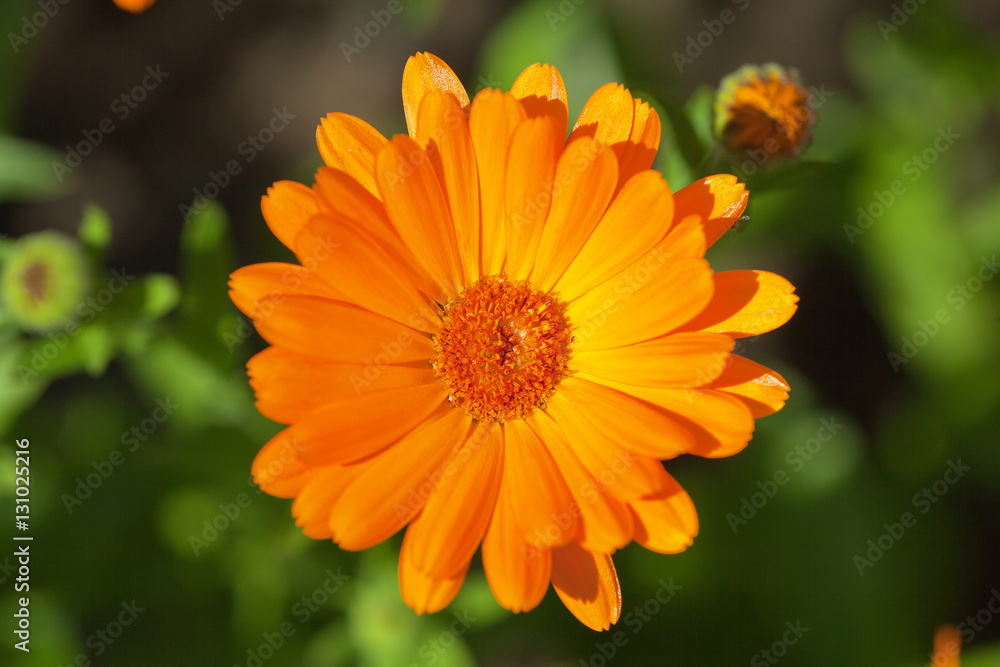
(43, 280)
(496, 333)
(764, 107)
(135, 6)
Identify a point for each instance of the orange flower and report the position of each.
(135, 6)
(764, 107)
(947, 647)
(495, 333)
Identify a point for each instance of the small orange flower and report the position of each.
(496, 333)
(135, 6)
(764, 107)
(947, 647)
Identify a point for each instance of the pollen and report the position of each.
(502, 349)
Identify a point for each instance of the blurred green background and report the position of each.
(142, 427)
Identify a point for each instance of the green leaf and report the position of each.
(161, 294)
(205, 264)
(20, 383)
(168, 367)
(789, 175)
(681, 150)
(95, 347)
(699, 111)
(95, 230)
(26, 170)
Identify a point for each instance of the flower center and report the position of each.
(35, 279)
(502, 348)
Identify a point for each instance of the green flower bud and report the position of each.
(43, 280)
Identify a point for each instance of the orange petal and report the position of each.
(541, 502)
(640, 150)
(312, 505)
(721, 423)
(528, 179)
(588, 585)
(947, 647)
(635, 424)
(675, 360)
(374, 277)
(277, 469)
(289, 385)
(493, 117)
(650, 299)
(358, 426)
(746, 303)
(343, 199)
(763, 390)
(666, 523)
(134, 6)
(585, 181)
(425, 73)
(606, 523)
(398, 482)
(339, 331)
(350, 144)
(607, 116)
(686, 238)
(448, 530)
(718, 200)
(255, 288)
(286, 207)
(422, 592)
(619, 471)
(542, 93)
(517, 573)
(418, 209)
(443, 130)
(634, 223)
